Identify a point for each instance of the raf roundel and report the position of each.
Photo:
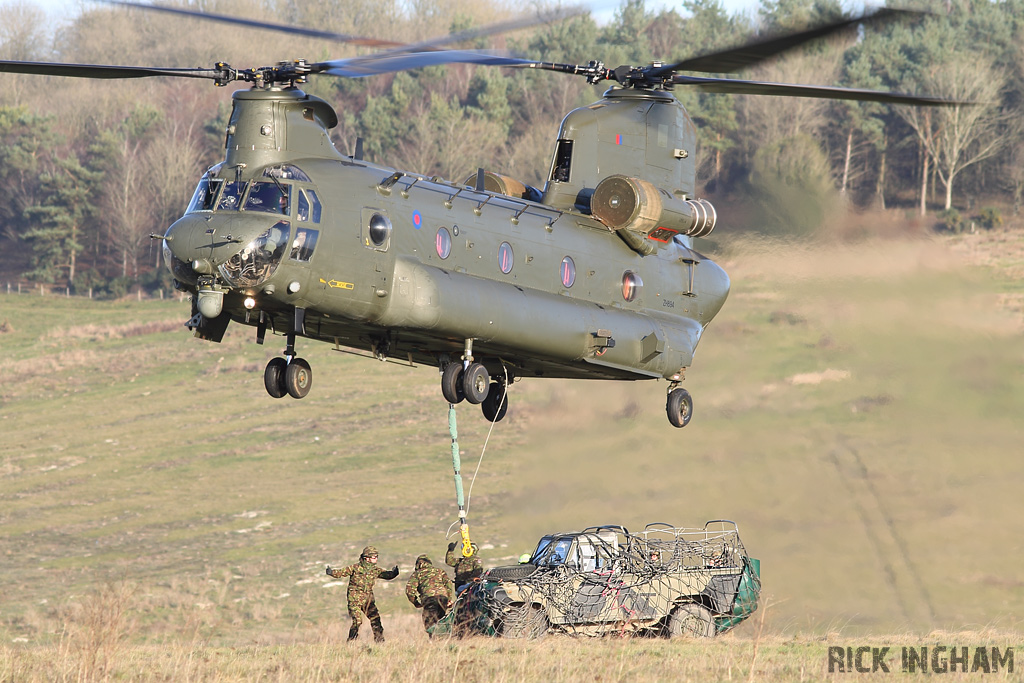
(417, 219)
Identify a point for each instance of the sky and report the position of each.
(602, 12)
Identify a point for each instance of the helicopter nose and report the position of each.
(204, 241)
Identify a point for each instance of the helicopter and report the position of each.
(487, 279)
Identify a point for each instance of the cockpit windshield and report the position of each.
(268, 197)
(232, 196)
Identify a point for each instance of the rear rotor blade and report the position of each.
(751, 54)
(738, 87)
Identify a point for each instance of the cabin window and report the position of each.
(563, 162)
(568, 271)
(259, 259)
(444, 243)
(631, 285)
(309, 206)
(304, 244)
(505, 257)
(379, 229)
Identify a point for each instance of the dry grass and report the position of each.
(857, 412)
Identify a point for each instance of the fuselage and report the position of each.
(411, 267)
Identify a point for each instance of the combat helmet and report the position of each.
(422, 560)
(368, 551)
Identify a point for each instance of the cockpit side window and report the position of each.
(309, 206)
(304, 244)
(268, 197)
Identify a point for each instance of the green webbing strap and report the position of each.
(467, 548)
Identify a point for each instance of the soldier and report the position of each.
(431, 589)
(466, 568)
(360, 591)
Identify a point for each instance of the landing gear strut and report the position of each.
(289, 375)
(468, 380)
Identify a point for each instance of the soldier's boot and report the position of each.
(353, 632)
(378, 630)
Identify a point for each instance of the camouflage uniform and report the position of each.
(466, 568)
(361, 577)
(431, 589)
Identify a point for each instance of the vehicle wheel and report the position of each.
(273, 377)
(451, 383)
(298, 378)
(476, 383)
(495, 405)
(525, 621)
(679, 407)
(691, 621)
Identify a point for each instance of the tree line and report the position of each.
(91, 168)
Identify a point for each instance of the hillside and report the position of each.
(857, 413)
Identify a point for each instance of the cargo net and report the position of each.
(665, 580)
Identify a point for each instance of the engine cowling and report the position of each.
(625, 203)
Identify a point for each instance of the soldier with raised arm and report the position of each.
(361, 577)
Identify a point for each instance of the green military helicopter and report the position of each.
(594, 276)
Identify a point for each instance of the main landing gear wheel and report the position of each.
(298, 378)
(679, 407)
(476, 383)
(451, 383)
(495, 405)
(273, 377)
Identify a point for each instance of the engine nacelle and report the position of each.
(625, 203)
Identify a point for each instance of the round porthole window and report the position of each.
(568, 272)
(631, 285)
(505, 257)
(444, 243)
(379, 229)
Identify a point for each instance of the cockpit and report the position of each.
(285, 191)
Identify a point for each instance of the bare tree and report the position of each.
(960, 136)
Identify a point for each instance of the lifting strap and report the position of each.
(467, 547)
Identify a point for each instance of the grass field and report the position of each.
(857, 413)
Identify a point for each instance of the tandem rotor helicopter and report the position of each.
(593, 276)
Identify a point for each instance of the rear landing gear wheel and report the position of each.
(679, 407)
(273, 377)
(451, 383)
(476, 383)
(298, 378)
(495, 405)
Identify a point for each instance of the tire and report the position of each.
(451, 383)
(524, 621)
(679, 407)
(476, 383)
(298, 378)
(495, 405)
(273, 377)
(691, 620)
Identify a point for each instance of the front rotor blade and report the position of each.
(737, 87)
(371, 65)
(105, 71)
(745, 56)
(283, 28)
